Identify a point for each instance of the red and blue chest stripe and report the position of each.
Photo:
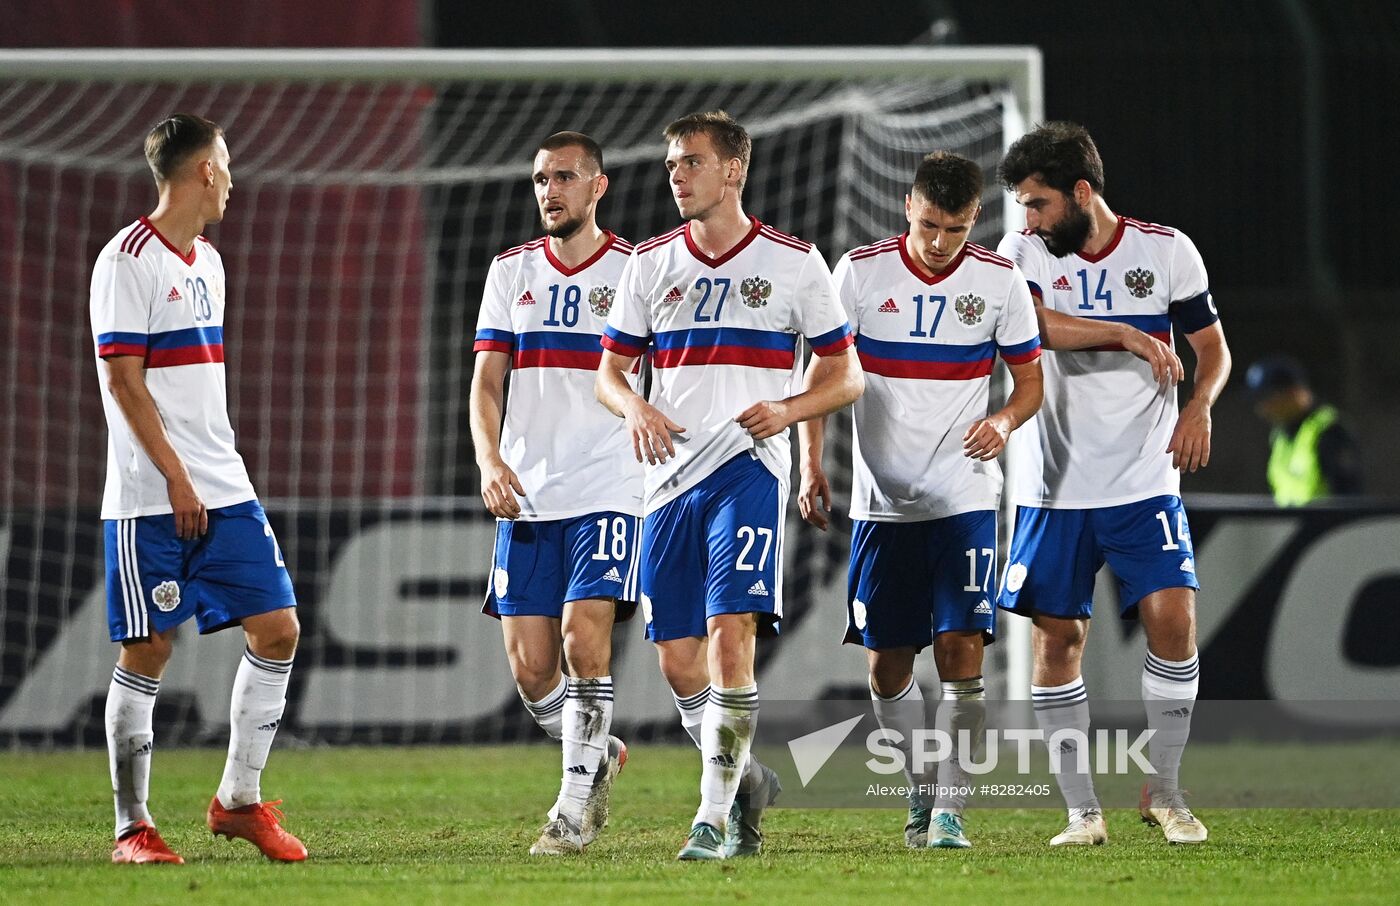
(1159, 326)
(938, 361)
(747, 346)
(188, 346)
(543, 348)
(725, 346)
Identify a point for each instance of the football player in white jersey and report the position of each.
(720, 302)
(931, 311)
(184, 533)
(1097, 476)
(560, 479)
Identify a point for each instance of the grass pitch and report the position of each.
(454, 825)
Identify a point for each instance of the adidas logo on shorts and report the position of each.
(1188, 565)
(983, 606)
(759, 589)
(612, 575)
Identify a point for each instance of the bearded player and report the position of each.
(1098, 477)
(557, 475)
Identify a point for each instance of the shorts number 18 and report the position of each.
(619, 539)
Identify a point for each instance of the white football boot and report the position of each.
(1168, 810)
(1086, 828)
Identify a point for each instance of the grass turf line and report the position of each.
(448, 824)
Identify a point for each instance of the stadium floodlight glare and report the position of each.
(371, 189)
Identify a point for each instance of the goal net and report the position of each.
(371, 190)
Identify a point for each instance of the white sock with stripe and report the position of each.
(588, 710)
(131, 702)
(904, 713)
(255, 711)
(548, 712)
(1169, 696)
(963, 710)
(725, 737)
(1066, 707)
(692, 709)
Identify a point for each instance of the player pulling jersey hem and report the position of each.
(720, 301)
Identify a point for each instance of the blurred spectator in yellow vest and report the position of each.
(1314, 455)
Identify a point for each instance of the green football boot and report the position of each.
(946, 832)
(916, 828)
(704, 843)
(743, 836)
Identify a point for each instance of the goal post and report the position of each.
(371, 189)
(1018, 68)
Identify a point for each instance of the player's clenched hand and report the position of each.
(499, 485)
(986, 438)
(1166, 365)
(1190, 446)
(815, 500)
(191, 518)
(765, 419)
(651, 432)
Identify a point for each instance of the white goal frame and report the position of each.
(1019, 68)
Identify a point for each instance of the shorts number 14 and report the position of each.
(1183, 531)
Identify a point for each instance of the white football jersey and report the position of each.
(149, 300)
(573, 457)
(927, 346)
(723, 333)
(1101, 436)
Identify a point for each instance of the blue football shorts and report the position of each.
(156, 581)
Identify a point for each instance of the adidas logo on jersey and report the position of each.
(673, 296)
(612, 575)
(983, 606)
(758, 589)
(1061, 282)
(174, 295)
(525, 299)
(889, 306)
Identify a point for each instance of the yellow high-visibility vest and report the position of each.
(1295, 473)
